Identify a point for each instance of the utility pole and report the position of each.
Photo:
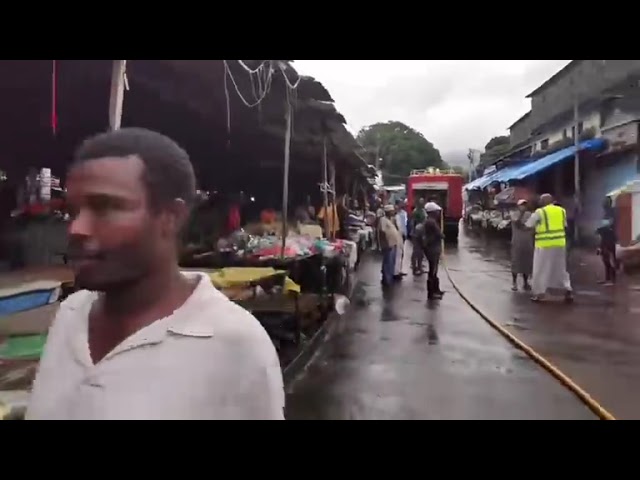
(576, 167)
(378, 154)
(325, 184)
(285, 179)
(472, 163)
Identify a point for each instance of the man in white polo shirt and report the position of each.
(143, 340)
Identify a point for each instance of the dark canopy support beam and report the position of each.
(285, 180)
(116, 98)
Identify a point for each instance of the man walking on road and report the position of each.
(608, 240)
(145, 340)
(418, 216)
(550, 254)
(401, 220)
(390, 238)
(432, 244)
(522, 247)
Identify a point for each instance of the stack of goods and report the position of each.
(296, 246)
(19, 358)
(244, 283)
(269, 294)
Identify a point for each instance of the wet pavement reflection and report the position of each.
(595, 341)
(398, 356)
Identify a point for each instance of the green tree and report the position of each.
(401, 149)
(494, 149)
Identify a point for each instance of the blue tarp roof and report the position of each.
(553, 159)
(496, 176)
(522, 171)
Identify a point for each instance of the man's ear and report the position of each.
(177, 213)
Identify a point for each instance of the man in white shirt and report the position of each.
(401, 223)
(145, 341)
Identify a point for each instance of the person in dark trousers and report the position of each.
(522, 246)
(418, 216)
(608, 240)
(432, 245)
(390, 239)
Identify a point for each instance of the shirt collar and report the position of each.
(191, 319)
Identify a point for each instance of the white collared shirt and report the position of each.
(210, 359)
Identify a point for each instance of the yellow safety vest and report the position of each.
(550, 232)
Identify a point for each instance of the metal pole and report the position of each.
(116, 97)
(325, 186)
(377, 162)
(576, 169)
(285, 180)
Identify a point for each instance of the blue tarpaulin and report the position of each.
(522, 171)
(496, 176)
(554, 158)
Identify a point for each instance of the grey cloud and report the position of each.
(456, 104)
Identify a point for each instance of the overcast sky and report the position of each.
(456, 104)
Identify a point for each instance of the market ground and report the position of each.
(596, 341)
(398, 356)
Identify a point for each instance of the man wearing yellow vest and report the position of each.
(550, 255)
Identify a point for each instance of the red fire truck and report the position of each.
(442, 187)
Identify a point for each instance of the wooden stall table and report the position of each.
(60, 273)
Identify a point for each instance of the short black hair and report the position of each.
(168, 171)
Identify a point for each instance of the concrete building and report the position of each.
(607, 96)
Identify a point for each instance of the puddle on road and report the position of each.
(516, 325)
(392, 317)
(588, 293)
(504, 370)
(432, 335)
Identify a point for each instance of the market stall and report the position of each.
(287, 278)
(28, 302)
(317, 265)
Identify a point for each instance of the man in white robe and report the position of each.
(401, 220)
(549, 263)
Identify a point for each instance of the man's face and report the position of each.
(421, 203)
(113, 237)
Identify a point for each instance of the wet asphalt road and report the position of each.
(401, 357)
(595, 341)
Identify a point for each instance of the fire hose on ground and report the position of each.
(573, 387)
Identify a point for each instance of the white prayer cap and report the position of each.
(432, 207)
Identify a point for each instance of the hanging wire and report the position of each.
(263, 77)
(284, 74)
(263, 94)
(248, 69)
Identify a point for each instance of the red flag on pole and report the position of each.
(54, 94)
